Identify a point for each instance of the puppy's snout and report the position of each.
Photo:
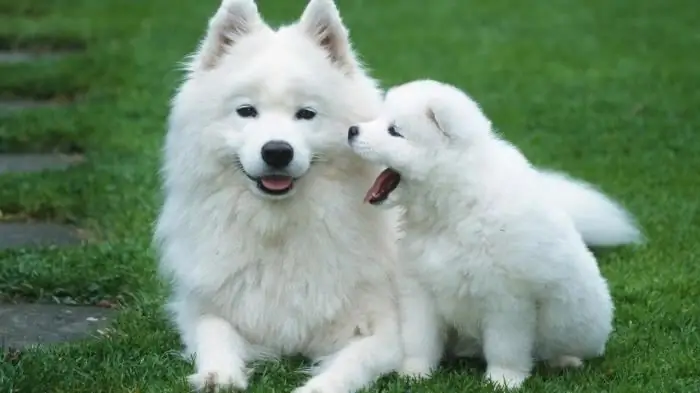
(277, 154)
(353, 132)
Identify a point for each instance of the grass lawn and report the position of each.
(607, 90)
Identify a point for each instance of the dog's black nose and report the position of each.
(353, 132)
(277, 154)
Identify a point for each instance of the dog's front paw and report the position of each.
(505, 378)
(215, 380)
(319, 385)
(415, 368)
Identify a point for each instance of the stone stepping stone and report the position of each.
(28, 163)
(18, 56)
(37, 234)
(25, 325)
(8, 106)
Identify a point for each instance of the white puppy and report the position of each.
(498, 259)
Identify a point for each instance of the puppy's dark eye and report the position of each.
(393, 132)
(305, 114)
(247, 111)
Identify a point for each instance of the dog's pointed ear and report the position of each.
(233, 20)
(321, 21)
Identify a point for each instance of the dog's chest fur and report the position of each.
(448, 246)
(288, 287)
(458, 286)
(281, 294)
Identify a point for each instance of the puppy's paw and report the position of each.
(216, 380)
(505, 378)
(319, 385)
(565, 362)
(416, 368)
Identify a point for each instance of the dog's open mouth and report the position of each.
(384, 184)
(276, 184)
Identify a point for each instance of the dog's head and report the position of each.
(268, 104)
(423, 125)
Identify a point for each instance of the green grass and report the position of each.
(607, 90)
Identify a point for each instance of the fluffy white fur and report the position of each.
(600, 220)
(492, 240)
(311, 271)
(256, 275)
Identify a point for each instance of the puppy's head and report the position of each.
(424, 123)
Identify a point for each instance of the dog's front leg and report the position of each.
(421, 330)
(360, 362)
(219, 354)
(509, 337)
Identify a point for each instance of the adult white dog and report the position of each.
(263, 231)
(500, 260)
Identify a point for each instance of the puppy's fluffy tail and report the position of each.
(600, 220)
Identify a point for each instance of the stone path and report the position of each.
(9, 106)
(19, 56)
(26, 163)
(36, 234)
(24, 325)
(39, 234)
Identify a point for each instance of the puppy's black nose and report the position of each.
(353, 132)
(277, 154)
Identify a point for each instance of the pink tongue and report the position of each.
(276, 183)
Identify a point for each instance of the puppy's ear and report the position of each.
(440, 123)
(457, 116)
(321, 21)
(233, 20)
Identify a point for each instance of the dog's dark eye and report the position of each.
(305, 114)
(247, 111)
(393, 132)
